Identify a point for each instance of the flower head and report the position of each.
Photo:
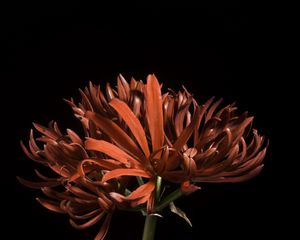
(136, 132)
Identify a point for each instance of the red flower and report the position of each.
(81, 199)
(135, 132)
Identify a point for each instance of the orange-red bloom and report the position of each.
(82, 199)
(135, 131)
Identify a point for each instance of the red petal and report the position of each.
(46, 131)
(182, 113)
(116, 133)
(212, 109)
(132, 122)
(50, 205)
(74, 137)
(203, 110)
(124, 172)
(38, 185)
(242, 178)
(85, 216)
(44, 177)
(188, 188)
(183, 138)
(153, 101)
(80, 193)
(110, 150)
(88, 223)
(188, 131)
(103, 231)
(144, 190)
(30, 155)
(123, 88)
(107, 164)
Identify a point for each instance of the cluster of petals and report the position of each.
(136, 131)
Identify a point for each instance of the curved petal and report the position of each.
(38, 185)
(153, 102)
(123, 88)
(125, 172)
(104, 228)
(88, 223)
(132, 122)
(116, 133)
(46, 131)
(50, 205)
(143, 190)
(110, 150)
(187, 132)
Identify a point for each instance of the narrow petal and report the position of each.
(153, 101)
(182, 139)
(244, 177)
(124, 172)
(31, 156)
(116, 133)
(32, 142)
(44, 177)
(74, 137)
(104, 202)
(46, 131)
(110, 150)
(132, 122)
(189, 165)
(187, 132)
(50, 205)
(80, 193)
(150, 202)
(212, 109)
(188, 188)
(88, 223)
(119, 198)
(104, 228)
(123, 88)
(179, 119)
(85, 101)
(37, 185)
(203, 155)
(109, 92)
(203, 110)
(144, 190)
(51, 193)
(85, 216)
(108, 164)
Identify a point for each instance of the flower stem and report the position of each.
(158, 187)
(170, 198)
(150, 222)
(140, 180)
(149, 227)
(151, 219)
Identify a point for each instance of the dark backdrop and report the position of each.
(212, 51)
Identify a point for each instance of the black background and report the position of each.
(221, 51)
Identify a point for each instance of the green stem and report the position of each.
(150, 222)
(149, 227)
(127, 192)
(158, 187)
(170, 198)
(140, 180)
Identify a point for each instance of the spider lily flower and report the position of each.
(219, 152)
(85, 202)
(134, 132)
(132, 147)
(95, 100)
(222, 147)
